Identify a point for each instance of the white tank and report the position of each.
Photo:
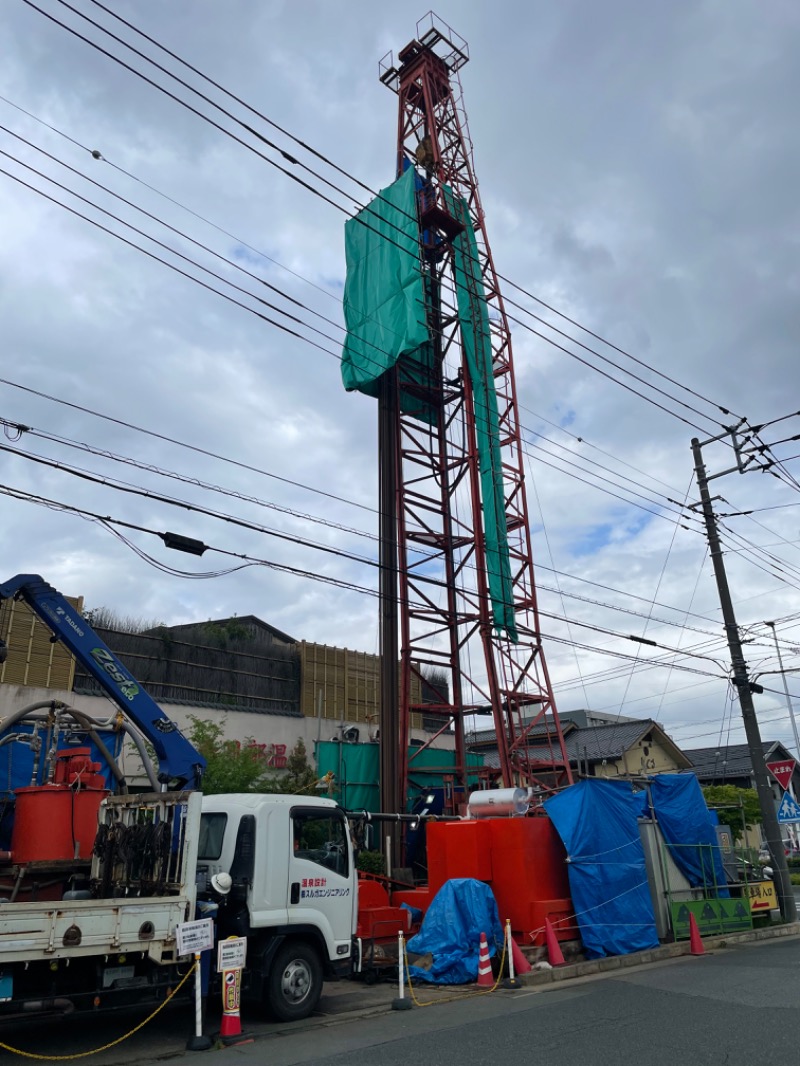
(498, 802)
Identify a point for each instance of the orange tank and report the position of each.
(521, 859)
(53, 822)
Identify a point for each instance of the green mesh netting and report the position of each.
(476, 338)
(385, 299)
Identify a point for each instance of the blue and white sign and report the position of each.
(789, 810)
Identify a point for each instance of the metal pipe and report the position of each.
(368, 816)
(91, 726)
(60, 1003)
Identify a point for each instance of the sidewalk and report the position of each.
(666, 951)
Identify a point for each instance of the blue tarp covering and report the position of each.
(460, 911)
(685, 823)
(596, 819)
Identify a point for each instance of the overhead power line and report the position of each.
(107, 520)
(336, 297)
(329, 162)
(266, 318)
(317, 192)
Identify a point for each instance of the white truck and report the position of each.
(93, 884)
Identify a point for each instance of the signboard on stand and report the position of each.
(195, 936)
(762, 897)
(231, 953)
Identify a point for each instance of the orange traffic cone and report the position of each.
(521, 964)
(485, 978)
(554, 951)
(695, 940)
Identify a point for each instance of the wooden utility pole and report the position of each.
(741, 681)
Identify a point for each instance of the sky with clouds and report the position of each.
(638, 166)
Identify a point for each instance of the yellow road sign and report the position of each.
(763, 898)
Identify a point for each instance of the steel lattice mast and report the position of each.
(430, 478)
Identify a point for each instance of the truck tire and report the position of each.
(294, 984)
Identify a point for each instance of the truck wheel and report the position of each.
(294, 984)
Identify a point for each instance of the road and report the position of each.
(734, 1007)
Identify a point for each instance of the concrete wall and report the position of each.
(269, 729)
(645, 757)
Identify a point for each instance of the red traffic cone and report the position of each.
(554, 951)
(485, 978)
(695, 940)
(521, 964)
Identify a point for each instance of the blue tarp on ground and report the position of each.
(688, 830)
(596, 819)
(460, 911)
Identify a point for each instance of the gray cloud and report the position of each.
(639, 166)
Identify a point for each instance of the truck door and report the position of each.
(321, 875)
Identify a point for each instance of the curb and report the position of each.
(640, 958)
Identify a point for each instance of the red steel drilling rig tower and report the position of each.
(435, 566)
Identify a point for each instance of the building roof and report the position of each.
(488, 737)
(731, 761)
(245, 620)
(595, 743)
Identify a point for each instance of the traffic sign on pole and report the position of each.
(782, 771)
(789, 810)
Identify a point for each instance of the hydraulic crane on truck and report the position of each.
(179, 764)
(99, 882)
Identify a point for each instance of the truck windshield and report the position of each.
(212, 833)
(321, 837)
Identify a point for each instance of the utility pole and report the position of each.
(786, 690)
(743, 686)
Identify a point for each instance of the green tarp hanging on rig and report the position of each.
(476, 338)
(385, 300)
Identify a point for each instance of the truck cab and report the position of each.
(293, 892)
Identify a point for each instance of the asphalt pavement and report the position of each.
(735, 1006)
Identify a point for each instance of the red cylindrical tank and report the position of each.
(54, 822)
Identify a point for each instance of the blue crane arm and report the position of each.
(178, 761)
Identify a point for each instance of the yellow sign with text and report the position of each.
(763, 898)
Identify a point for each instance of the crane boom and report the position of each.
(178, 761)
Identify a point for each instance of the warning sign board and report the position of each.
(195, 936)
(763, 897)
(712, 916)
(782, 771)
(232, 953)
(789, 810)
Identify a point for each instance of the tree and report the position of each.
(435, 685)
(301, 778)
(108, 618)
(230, 766)
(738, 807)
